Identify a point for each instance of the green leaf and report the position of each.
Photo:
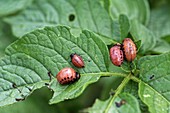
(160, 21)
(5, 37)
(134, 9)
(86, 14)
(155, 4)
(161, 47)
(12, 6)
(138, 44)
(155, 76)
(62, 93)
(36, 103)
(28, 60)
(131, 105)
(167, 38)
(106, 40)
(140, 32)
(132, 88)
(154, 100)
(120, 28)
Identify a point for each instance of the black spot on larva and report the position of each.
(64, 78)
(71, 17)
(67, 77)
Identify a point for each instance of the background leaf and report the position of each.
(84, 14)
(131, 105)
(121, 27)
(153, 91)
(140, 32)
(12, 6)
(160, 21)
(132, 88)
(6, 37)
(27, 61)
(26, 64)
(138, 9)
(161, 47)
(155, 101)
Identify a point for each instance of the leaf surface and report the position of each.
(161, 47)
(12, 6)
(131, 105)
(5, 36)
(140, 32)
(160, 21)
(138, 9)
(29, 59)
(121, 28)
(155, 76)
(82, 14)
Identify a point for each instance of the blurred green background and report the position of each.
(38, 101)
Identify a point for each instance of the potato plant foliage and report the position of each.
(38, 37)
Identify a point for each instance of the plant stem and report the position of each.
(135, 79)
(113, 74)
(118, 91)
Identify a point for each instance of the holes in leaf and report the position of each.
(71, 17)
(49, 75)
(119, 104)
(28, 88)
(151, 77)
(14, 85)
(46, 84)
(20, 99)
(23, 97)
